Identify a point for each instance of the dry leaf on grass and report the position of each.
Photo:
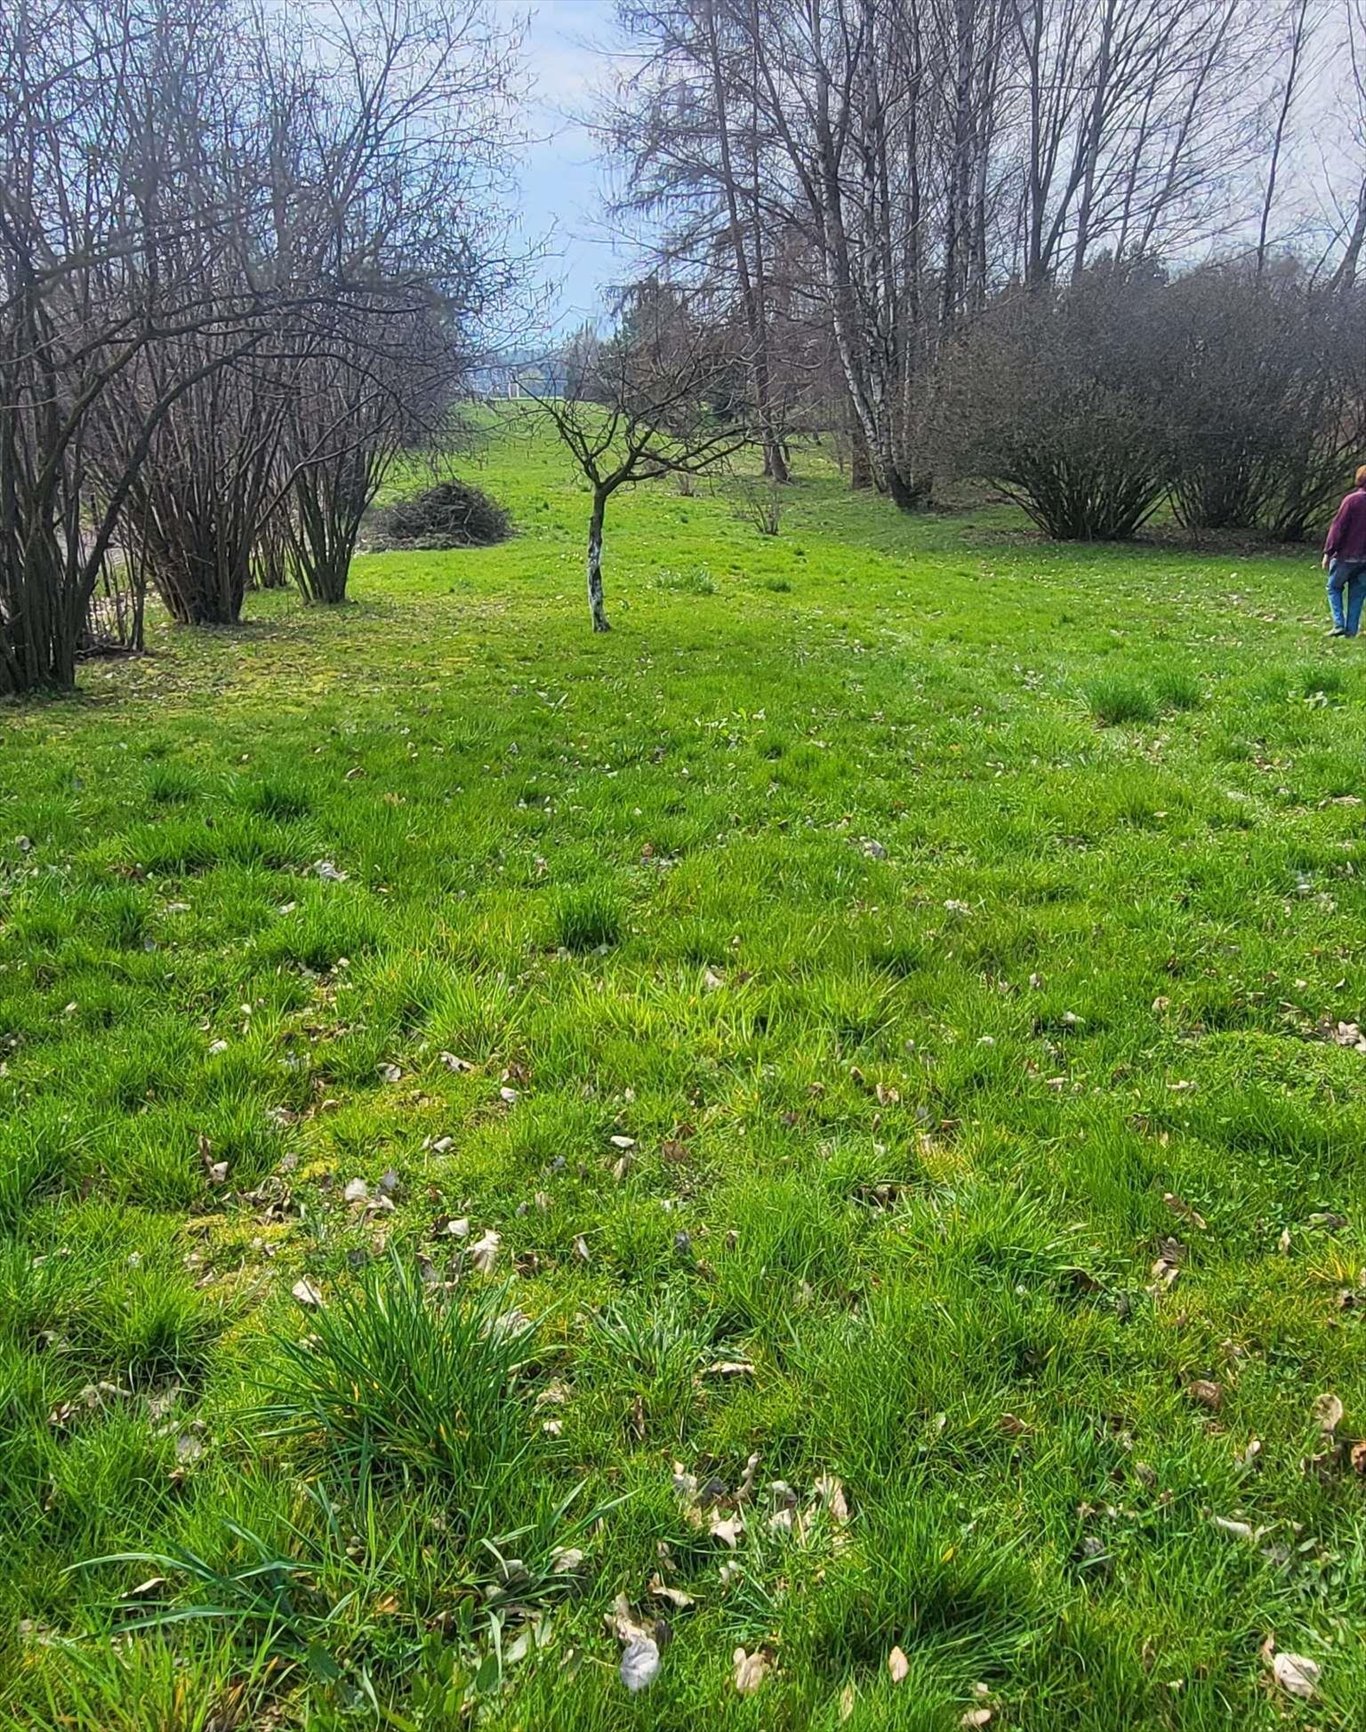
(484, 1252)
(727, 1529)
(1179, 1207)
(640, 1664)
(1205, 1393)
(830, 1495)
(1328, 1412)
(898, 1665)
(751, 1669)
(659, 1590)
(1296, 1674)
(306, 1293)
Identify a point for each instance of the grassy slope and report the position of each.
(904, 1122)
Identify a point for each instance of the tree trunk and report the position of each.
(595, 603)
(860, 458)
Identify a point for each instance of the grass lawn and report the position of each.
(827, 1112)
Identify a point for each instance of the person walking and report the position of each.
(1344, 559)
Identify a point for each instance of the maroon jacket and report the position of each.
(1347, 537)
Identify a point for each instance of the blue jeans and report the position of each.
(1347, 580)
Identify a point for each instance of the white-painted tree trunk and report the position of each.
(595, 602)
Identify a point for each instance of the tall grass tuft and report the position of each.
(586, 916)
(399, 1383)
(1178, 690)
(1115, 700)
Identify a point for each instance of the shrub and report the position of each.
(1267, 399)
(1060, 397)
(451, 514)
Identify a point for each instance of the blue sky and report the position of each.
(568, 47)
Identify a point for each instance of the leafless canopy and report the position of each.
(241, 253)
(867, 177)
(658, 398)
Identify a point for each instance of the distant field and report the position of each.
(860, 1136)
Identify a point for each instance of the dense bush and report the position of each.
(1268, 411)
(1237, 397)
(1060, 397)
(451, 514)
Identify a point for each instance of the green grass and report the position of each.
(869, 1013)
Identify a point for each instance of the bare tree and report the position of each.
(1354, 226)
(929, 152)
(650, 402)
(203, 210)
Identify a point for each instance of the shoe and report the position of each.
(1337, 631)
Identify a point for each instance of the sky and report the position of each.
(568, 48)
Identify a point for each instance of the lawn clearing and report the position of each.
(833, 1112)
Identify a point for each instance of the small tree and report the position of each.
(654, 400)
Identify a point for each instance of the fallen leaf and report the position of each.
(1239, 1530)
(455, 1063)
(640, 1664)
(1205, 1394)
(1296, 1674)
(730, 1368)
(356, 1191)
(976, 1717)
(898, 1665)
(306, 1293)
(750, 1669)
(1184, 1210)
(484, 1252)
(389, 1073)
(624, 1624)
(329, 873)
(846, 1703)
(830, 1495)
(622, 1142)
(727, 1529)
(1328, 1414)
(659, 1590)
